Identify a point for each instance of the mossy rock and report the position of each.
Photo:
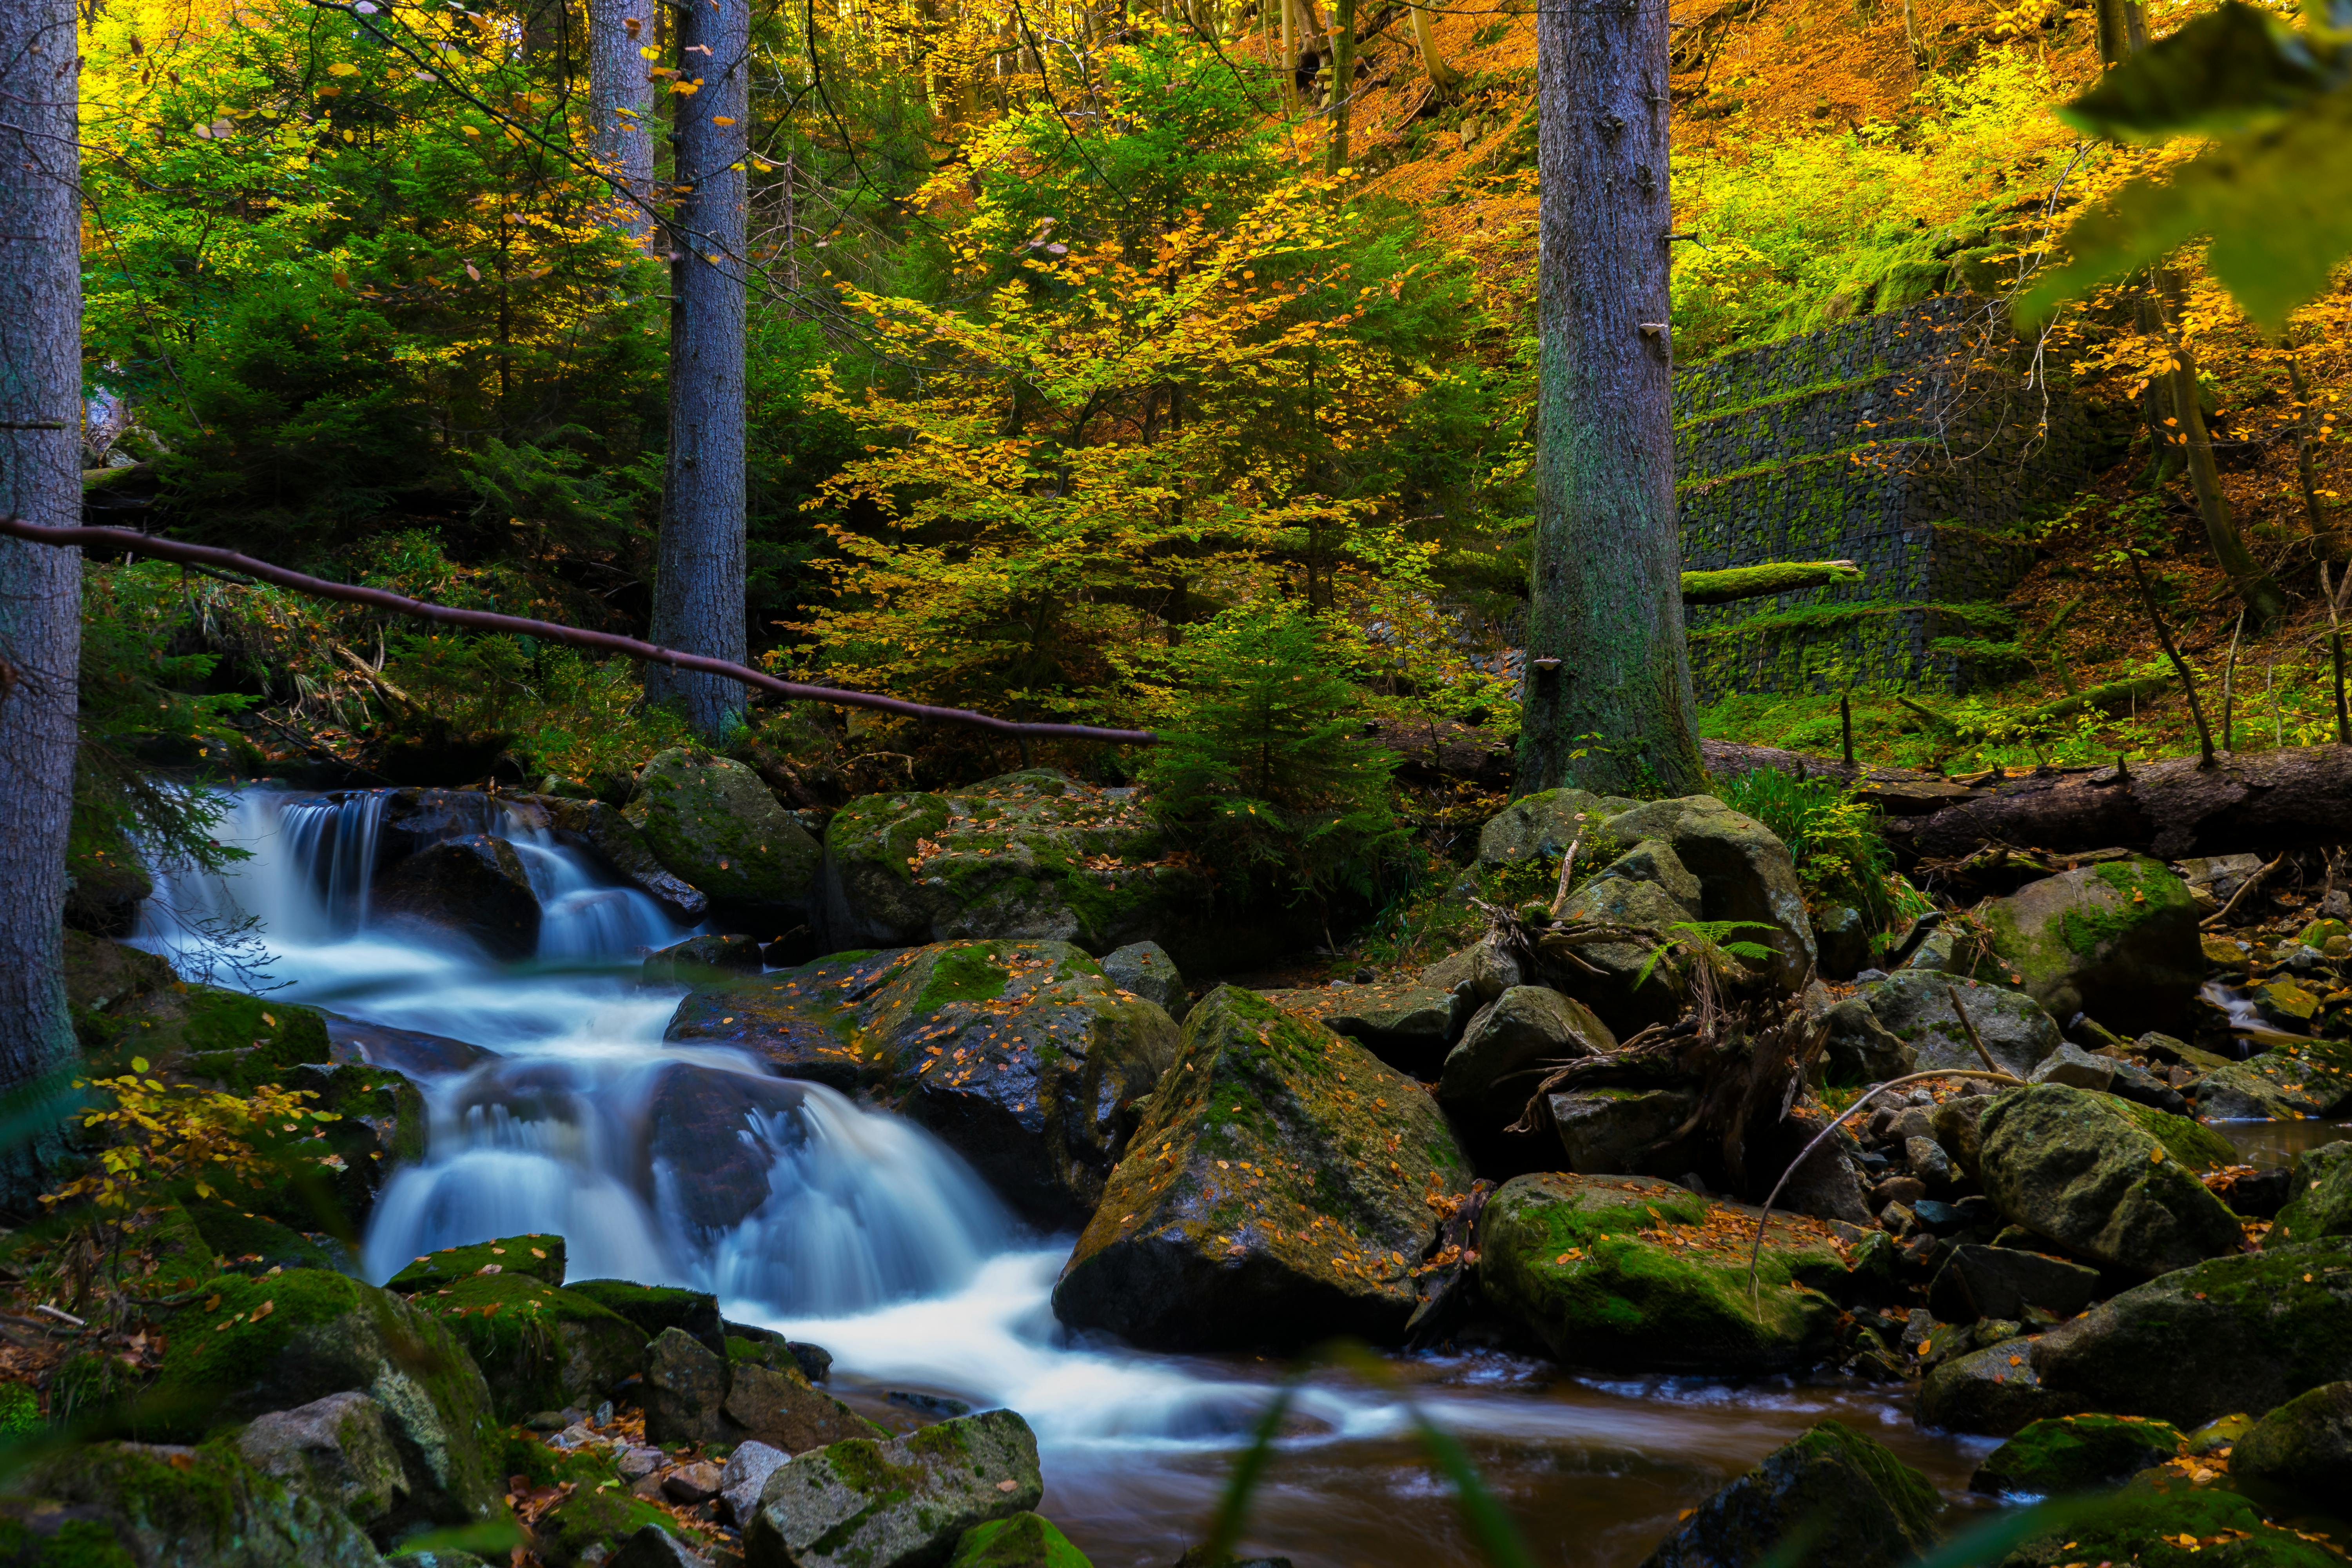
(2117, 941)
(1033, 856)
(2322, 1206)
(2303, 1448)
(712, 823)
(603, 1515)
(541, 1257)
(539, 1348)
(104, 978)
(246, 1241)
(237, 1041)
(1025, 1541)
(2108, 1180)
(251, 1345)
(653, 1308)
(1833, 1495)
(1278, 1191)
(1629, 1273)
(2285, 1083)
(1992, 1390)
(908, 1500)
(2171, 1524)
(111, 1505)
(2076, 1454)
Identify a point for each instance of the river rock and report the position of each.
(1625, 1273)
(1145, 969)
(2322, 1206)
(748, 1468)
(2147, 1522)
(1491, 1076)
(1029, 856)
(684, 1391)
(1859, 1050)
(411, 1053)
(1916, 1007)
(1744, 874)
(2285, 1083)
(612, 839)
(2003, 1282)
(2108, 1180)
(338, 1450)
(899, 1504)
(777, 1405)
(701, 958)
(539, 1347)
(1025, 1541)
(1647, 887)
(713, 825)
(140, 1505)
(249, 1346)
(1611, 1131)
(713, 1138)
(1407, 1024)
(475, 887)
(1485, 968)
(1831, 1495)
(2071, 1454)
(653, 1308)
(1993, 1390)
(1022, 1056)
(1281, 1189)
(2117, 941)
(2305, 1445)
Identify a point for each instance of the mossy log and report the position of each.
(1736, 582)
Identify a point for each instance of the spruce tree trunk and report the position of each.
(620, 102)
(1615, 714)
(699, 593)
(40, 585)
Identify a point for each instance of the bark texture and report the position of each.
(40, 585)
(620, 102)
(699, 594)
(1615, 713)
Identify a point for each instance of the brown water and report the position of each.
(2278, 1142)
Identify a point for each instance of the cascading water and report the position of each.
(849, 1227)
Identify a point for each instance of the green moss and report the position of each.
(964, 972)
(541, 1257)
(1025, 1541)
(2142, 889)
(652, 1308)
(242, 1239)
(230, 1340)
(603, 1515)
(83, 1543)
(2192, 1144)
(539, 1347)
(2077, 1453)
(893, 822)
(20, 1409)
(2144, 1526)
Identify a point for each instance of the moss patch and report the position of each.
(541, 1257)
(2077, 1453)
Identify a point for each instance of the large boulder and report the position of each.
(1618, 1130)
(1914, 1006)
(2305, 1445)
(1624, 981)
(1859, 1050)
(2169, 1521)
(899, 1504)
(539, 1347)
(2001, 1282)
(249, 1346)
(1533, 832)
(1145, 969)
(239, 1040)
(1031, 856)
(1626, 1273)
(1478, 973)
(340, 1450)
(1022, 1056)
(1490, 1077)
(712, 1137)
(1831, 1495)
(1993, 1389)
(2285, 1083)
(475, 887)
(138, 1505)
(1407, 1024)
(2108, 1180)
(2072, 1454)
(2322, 1205)
(653, 1308)
(1744, 872)
(770, 1401)
(614, 839)
(2117, 941)
(1282, 1188)
(712, 823)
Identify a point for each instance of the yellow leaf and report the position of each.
(138, 1063)
(343, 67)
(722, 119)
(264, 1311)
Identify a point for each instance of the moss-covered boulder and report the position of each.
(590, 1525)
(103, 976)
(1282, 1188)
(251, 1345)
(1831, 1495)
(1490, 1077)
(132, 1505)
(2106, 1179)
(339, 1449)
(2117, 941)
(2303, 1447)
(541, 1257)
(1992, 1390)
(1744, 873)
(1028, 855)
(1633, 1274)
(1022, 1055)
(770, 1400)
(1915, 1008)
(713, 824)
(653, 1308)
(2322, 1205)
(1025, 1541)
(2076, 1454)
(246, 1241)
(1408, 1023)
(2170, 1523)
(900, 1504)
(2285, 1083)
(237, 1041)
(539, 1347)
(1646, 887)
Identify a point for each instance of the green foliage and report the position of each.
(1841, 859)
(1263, 770)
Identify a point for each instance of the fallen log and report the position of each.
(1733, 584)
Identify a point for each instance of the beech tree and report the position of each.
(698, 589)
(1608, 703)
(40, 585)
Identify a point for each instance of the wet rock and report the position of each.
(541, 1257)
(746, 1475)
(653, 1308)
(1995, 1390)
(1831, 1495)
(2305, 1445)
(1623, 1131)
(2117, 941)
(1278, 1191)
(1744, 874)
(1485, 967)
(654, 1547)
(2003, 1282)
(1859, 1050)
(1025, 1541)
(2108, 1180)
(1145, 969)
(1490, 1077)
(538, 1346)
(700, 958)
(684, 1391)
(2285, 1083)
(2322, 1206)
(136, 1505)
(338, 1450)
(899, 1504)
(1406, 1023)
(593, 825)
(473, 887)
(1916, 1008)
(2071, 1454)
(777, 1406)
(1631, 1274)
(1031, 856)
(2146, 1523)
(713, 825)
(712, 1139)
(279, 1342)
(407, 1052)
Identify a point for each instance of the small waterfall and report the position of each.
(331, 845)
(582, 915)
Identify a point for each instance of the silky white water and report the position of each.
(868, 1236)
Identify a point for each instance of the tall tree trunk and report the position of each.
(699, 592)
(2306, 436)
(1442, 76)
(2123, 31)
(1615, 713)
(1343, 81)
(621, 103)
(40, 585)
(2255, 586)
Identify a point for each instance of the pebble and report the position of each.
(637, 1462)
(697, 1482)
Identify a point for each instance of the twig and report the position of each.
(1567, 869)
(2229, 689)
(1975, 1039)
(60, 1315)
(2248, 886)
(2188, 682)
